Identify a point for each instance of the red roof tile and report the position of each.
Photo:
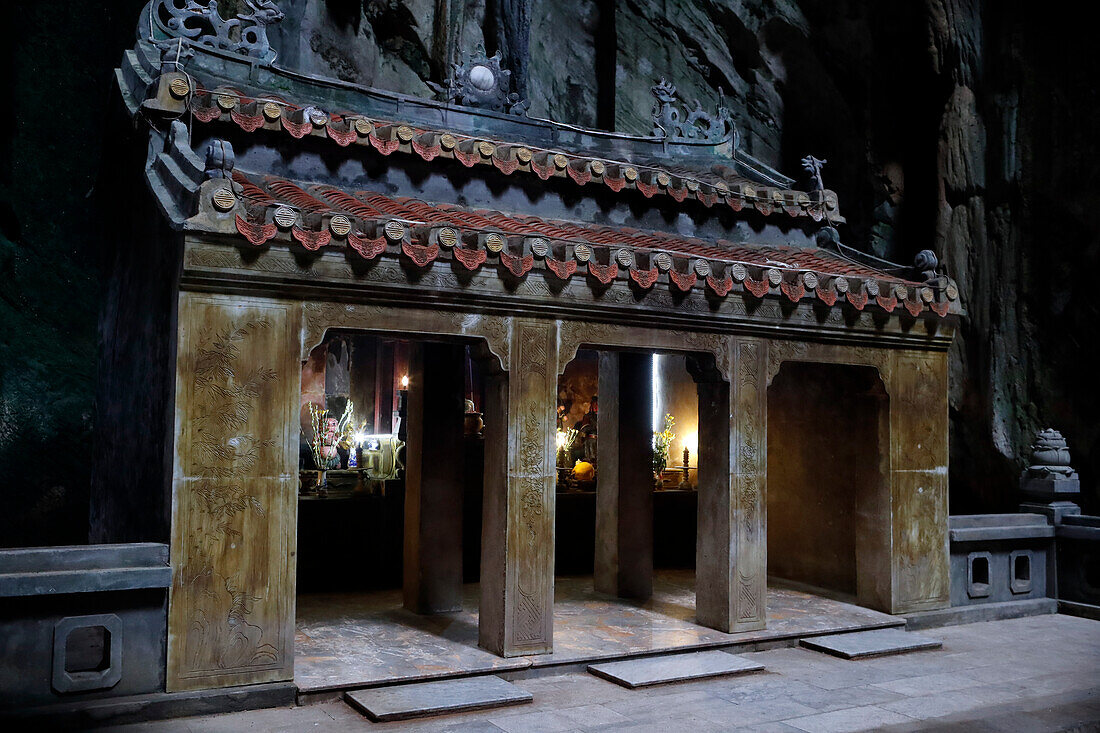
(689, 262)
(368, 205)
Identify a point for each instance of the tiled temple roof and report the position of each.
(716, 184)
(368, 224)
(180, 87)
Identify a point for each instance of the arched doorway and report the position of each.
(828, 481)
(390, 541)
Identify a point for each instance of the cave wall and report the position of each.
(961, 125)
(59, 222)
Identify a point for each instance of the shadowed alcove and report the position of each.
(828, 494)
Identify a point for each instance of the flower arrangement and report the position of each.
(564, 440)
(661, 442)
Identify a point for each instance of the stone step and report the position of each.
(634, 673)
(401, 702)
(873, 643)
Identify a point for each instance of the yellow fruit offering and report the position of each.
(584, 471)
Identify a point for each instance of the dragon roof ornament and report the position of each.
(673, 123)
(200, 22)
(813, 166)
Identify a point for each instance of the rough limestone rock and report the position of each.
(562, 85)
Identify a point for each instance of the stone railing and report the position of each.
(1045, 559)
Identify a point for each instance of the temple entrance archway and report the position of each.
(828, 498)
(642, 521)
(407, 550)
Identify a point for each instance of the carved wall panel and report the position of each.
(231, 618)
(282, 273)
(576, 333)
(748, 466)
(784, 350)
(320, 317)
(918, 456)
(530, 485)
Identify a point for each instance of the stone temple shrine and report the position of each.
(376, 338)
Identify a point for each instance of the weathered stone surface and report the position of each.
(634, 673)
(434, 698)
(562, 85)
(874, 643)
(989, 527)
(235, 504)
(958, 615)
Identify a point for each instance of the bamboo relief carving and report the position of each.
(222, 517)
(225, 397)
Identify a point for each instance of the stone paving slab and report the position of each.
(874, 643)
(401, 702)
(347, 641)
(648, 671)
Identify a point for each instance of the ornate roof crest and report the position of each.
(673, 123)
(813, 166)
(201, 23)
(480, 82)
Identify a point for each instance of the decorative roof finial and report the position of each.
(201, 23)
(671, 122)
(480, 82)
(813, 166)
(925, 264)
(219, 159)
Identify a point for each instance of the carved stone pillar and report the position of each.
(433, 479)
(624, 497)
(517, 565)
(235, 490)
(731, 549)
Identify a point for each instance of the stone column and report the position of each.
(731, 548)
(517, 561)
(918, 482)
(624, 491)
(433, 479)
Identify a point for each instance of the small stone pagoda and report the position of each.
(291, 206)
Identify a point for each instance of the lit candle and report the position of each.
(405, 382)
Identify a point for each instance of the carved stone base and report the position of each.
(1049, 488)
(1054, 510)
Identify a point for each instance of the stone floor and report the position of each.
(1040, 673)
(354, 639)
